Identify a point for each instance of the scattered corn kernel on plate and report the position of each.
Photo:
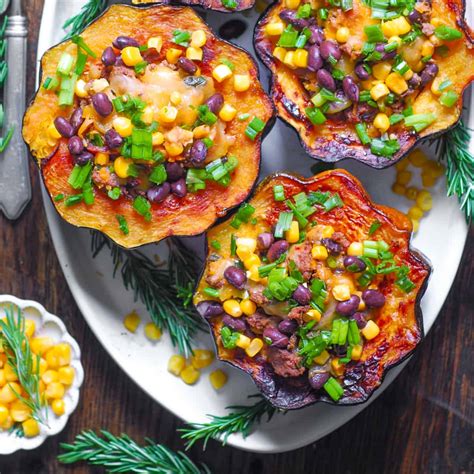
(60, 380)
(121, 325)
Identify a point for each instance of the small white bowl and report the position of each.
(46, 325)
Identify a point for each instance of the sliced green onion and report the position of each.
(304, 11)
(283, 224)
(88, 193)
(337, 74)
(205, 115)
(395, 118)
(216, 245)
(288, 38)
(80, 62)
(374, 227)
(181, 37)
(346, 5)
(140, 67)
(278, 192)
(303, 37)
(323, 14)
(208, 142)
(142, 206)
(83, 45)
(158, 175)
(229, 4)
(243, 117)
(79, 175)
(255, 126)
(196, 179)
(353, 333)
(449, 98)
(233, 245)
(123, 226)
(374, 33)
(243, 214)
(333, 202)
(212, 292)
(420, 121)
(72, 200)
(384, 147)
(315, 115)
(447, 33)
(65, 64)
(66, 91)
(51, 83)
(361, 130)
(114, 193)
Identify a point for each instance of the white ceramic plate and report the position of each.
(104, 302)
(46, 325)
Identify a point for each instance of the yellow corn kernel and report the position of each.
(241, 82)
(435, 21)
(397, 27)
(218, 379)
(275, 28)
(368, 84)
(355, 249)
(30, 328)
(121, 166)
(53, 132)
(174, 149)
(289, 59)
(312, 315)
(322, 358)
(198, 38)
(403, 177)
(195, 54)
(201, 131)
(300, 58)
(243, 341)
(176, 364)
(424, 200)
(189, 375)
(148, 114)
(202, 358)
(248, 307)
(52, 359)
(408, 75)
(39, 345)
(415, 224)
(396, 83)
(10, 374)
(435, 85)
(356, 352)
(336, 367)
(167, 114)
(80, 89)
(319, 252)
(411, 193)
(395, 39)
(381, 70)
(30, 428)
(59, 407)
(155, 42)
(342, 34)
(279, 53)
(415, 213)
(175, 98)
(399, 189)
(43, 366)
(63, 351)
(3, 380)
(19, 411)
(101, 159)
(402, 165)
(378, 91)
(417, 158)
(66, 375)
(293, 4)
(50, 376)
(232, 307)
(252, 261)
(8, 392)
(427, 49)
(221, 72)
(292, 235)
(4, 413)
(173, 54)
(341, 292)
(157, 139)
(227, 112)
(382, 122)
(370, 330)
(434, 168)
(123, 126)
(246, 244)
(132, 321)
(54, 390)
(152, 332)
(253, 274)
(327, 231)
(131, 56)
(254, 347)
(427, 180)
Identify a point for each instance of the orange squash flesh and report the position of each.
(207, 4)
(192, 214)
(399, 320)
(337, 140)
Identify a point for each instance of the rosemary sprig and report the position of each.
(89, 12)
(239, 420)
(157, 289)
(20, 358)
(453, 147)
(122, 454)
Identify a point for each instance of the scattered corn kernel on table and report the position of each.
(421, 422)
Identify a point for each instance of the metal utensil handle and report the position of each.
(15, 186)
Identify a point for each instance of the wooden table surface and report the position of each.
(422, 423)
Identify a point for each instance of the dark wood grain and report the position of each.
(422, 423)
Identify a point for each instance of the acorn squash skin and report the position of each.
(215, 5)
(334, 142)
(174, 216)
(399, 337)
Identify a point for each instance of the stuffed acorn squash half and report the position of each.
(147, 125)
(366, 79)
(313, 290)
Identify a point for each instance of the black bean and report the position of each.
(215, 102)
(187, 65)
(288, 326)
(113, 139)
(264, 240)
(373, 298)
(76, 119)
(277, 249)
(361, 73)
(237, 324)
(349, 307)
(75, 145)
(316, 378)
(414, 16)
(102, 104)
(317, 35)
(83, 158)
(159, 193)
(415, 81)
(359, 318)
(174, 171)
(209, 308)
(351, 89)
(198, 153)
(428, 74)
(330, 48)
(354, 264)
(315, 62)
(236, 277)
(333, 247)
(123, 41)
(64, 127)
(302, 295)
(108, 56)
(290, 16)
(178, 188)
(275, 338)
(325, 79)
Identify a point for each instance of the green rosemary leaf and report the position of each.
(240, 420)
(165, 291)
(122, 454)
(89, 12)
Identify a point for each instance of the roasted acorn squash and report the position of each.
(161, 130)
(313, 290)
(355, 86)
(227, 6)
